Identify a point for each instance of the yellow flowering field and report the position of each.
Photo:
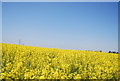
(27, 62)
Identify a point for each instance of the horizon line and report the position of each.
(62, 48)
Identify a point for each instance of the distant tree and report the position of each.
(100, 51)
(109, 52)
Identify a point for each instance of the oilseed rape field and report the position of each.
(27, 62)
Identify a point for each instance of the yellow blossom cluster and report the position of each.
(27, 62)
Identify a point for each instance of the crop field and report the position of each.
(27, 62)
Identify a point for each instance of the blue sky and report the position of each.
(60, 0)
(0, 22)
(82, 25)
